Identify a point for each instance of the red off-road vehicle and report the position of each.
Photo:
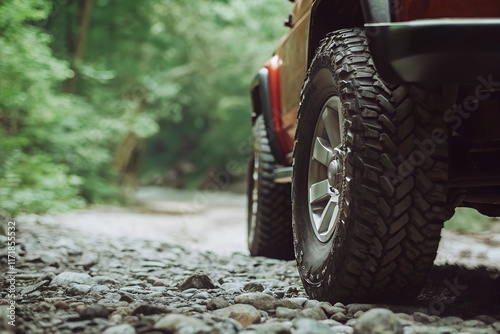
(398, 124)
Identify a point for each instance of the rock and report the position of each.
(88, 260)
(125, 297)
(68, 278)
(353, 308)
(4, 319)
(147, 309)
(486, 319)
(473, 323)
(331, 323)
(174, 322)
(32, 288)
(162, 282)
(404, 316)
(153, 264)
(100, 288)
(433, 330)
(259, 300)
(79, 289)
(312, 303)
(331, 310)
(253, 287)
(134, 289)
(104, 280)
(287, 313)
(245, 314)
(422, 318)
(472, 330)
(69, 246)
(299, 301)
(92, 311)
(44, 307)
(316, 313)
(358, 314)
(217, 303)
(287, 303)
(201, 295)
(342, 329)
(340, 317)
(61, 305)
(272, 328)
(197, 281)
(449, 321)
(232, 287)
(120, 329)
(378, 321)
(310, 326)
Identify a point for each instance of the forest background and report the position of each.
(99, 95)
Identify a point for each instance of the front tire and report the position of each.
(366, 216)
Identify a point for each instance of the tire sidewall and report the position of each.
(313, 255)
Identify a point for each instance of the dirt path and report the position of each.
(178, 263)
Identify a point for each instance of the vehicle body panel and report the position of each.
(406, 46)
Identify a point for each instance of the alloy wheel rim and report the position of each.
(325, 170)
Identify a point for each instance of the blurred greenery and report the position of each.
(95, 92)
(469, 220)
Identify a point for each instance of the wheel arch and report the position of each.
(331, 15)
(265, 95)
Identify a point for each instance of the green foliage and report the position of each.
(468, 220)
(30, 178)
(219, 47)
(173, 72)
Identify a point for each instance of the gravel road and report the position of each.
(178, 264)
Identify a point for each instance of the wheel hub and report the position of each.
(335, 173)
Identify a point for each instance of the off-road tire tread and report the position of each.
(394, 216)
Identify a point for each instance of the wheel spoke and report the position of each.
(322, 151)
(319, 192)
(329, 215)
(331, 121)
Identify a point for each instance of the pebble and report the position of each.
(147, 309)
(485, 319)
(378, 321)
(253, 287)
(174, 322)
(120, 329)
(310, 326)
(92, 311)
(32, 288)
(217, 303)
(316, 313)
(79, 289)
(340, 317)
(197, 281)
(272, 328)
(245, 314)
(259, 300)
(287, 313)
(70, 278)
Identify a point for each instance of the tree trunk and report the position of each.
(128, 164)
(81, 41)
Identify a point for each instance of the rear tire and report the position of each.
(269, 203)
(368, 202)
